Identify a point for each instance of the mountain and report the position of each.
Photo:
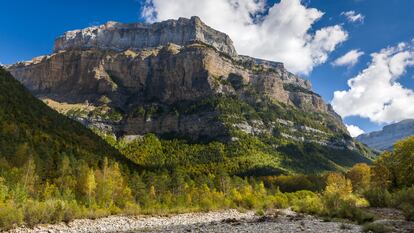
(388, 136)
(29, 129)
(181, 79)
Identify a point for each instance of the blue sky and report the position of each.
(29, 28)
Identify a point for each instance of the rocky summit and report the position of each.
(390, 134)
(177, 78)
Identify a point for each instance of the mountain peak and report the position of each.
(119, 36)
(385, 138)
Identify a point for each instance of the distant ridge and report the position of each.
(385, 139)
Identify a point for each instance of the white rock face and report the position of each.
(119, 36)
(390, 134)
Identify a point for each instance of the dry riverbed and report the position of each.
(222, 221)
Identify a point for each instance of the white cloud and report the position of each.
(355, 131)
(376, 93)
(353, 17)
(282, 34)
(349, 59)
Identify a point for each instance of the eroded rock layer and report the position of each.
(176, 78)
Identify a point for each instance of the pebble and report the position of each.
(227, 221)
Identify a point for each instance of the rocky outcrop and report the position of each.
(166, 78)
(389, 135)
(119, 36)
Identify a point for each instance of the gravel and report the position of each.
(221, 222)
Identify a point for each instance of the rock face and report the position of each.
(173, 78)
(389, 135)
(118, 36)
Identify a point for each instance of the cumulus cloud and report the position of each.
(354, 130)
(353, 17)
(282, 32)
(376, 93)
(349, 59)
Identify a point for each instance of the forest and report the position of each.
(79, 190)
(53, 169)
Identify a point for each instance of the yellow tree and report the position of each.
(337, 189)
(121, 193)
(337, 183)
(360, 176)
(90, 184)
(105, 185)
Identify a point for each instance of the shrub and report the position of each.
(375, 228)
(280, 200)
(403, 196)
(50, 211)
(10, 216)
(35, 212)
(378, 197)
(349, 208)
(404, 200)
(260, 212)
(408, 211)
(309, 204)
(72, 211)
(206, 204)
(131, 209)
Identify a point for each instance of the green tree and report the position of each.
(21, 155)
(29, 176)
(382, 171)
(404, 162)
(66, 180)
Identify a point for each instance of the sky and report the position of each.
(358, 54)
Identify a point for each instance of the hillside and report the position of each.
(29, 129)
(386, 138)
(182, 80)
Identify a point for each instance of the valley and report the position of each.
(164, 127)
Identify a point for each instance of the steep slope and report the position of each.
(30, 129)
(388, 136)
(182, 79)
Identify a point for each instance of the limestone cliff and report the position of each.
(177, 78)
(118, 36)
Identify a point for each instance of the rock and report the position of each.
(146, 77)
(220, 222)
(119, 36)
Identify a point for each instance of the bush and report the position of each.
(50, 211)
(348, 208)
(408, 211)
(280, 201)
(375, 228)
(378, 197)
(131, 209)
(309, 204)
(10, 216)
(35, 212)
(404, 200)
